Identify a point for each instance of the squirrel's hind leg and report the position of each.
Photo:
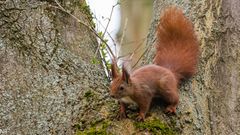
(169, 92)
(171, 109)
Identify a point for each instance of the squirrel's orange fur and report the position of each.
(176, 59)
(177, 47)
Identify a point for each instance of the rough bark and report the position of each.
(46, 74)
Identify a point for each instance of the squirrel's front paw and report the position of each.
(122, 115)
(140, 117)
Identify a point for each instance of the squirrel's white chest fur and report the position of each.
(127, 100)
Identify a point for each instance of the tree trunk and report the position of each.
(209, 103)
(47, 80)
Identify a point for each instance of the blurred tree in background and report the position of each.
(135, 22)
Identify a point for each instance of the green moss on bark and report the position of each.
(96, 129)
(155, 126)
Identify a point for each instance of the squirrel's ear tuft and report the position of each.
(125, 75)
(114, 69)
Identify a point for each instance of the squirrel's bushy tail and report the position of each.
(177, 46)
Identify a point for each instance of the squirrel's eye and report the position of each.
(121, 88)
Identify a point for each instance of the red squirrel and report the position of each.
(176, 58)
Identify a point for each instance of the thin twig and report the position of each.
(134, 41)
(124, 30)
(147, 49)
(114, 43)
(135, 50)
(140, 57)
(110, 17)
